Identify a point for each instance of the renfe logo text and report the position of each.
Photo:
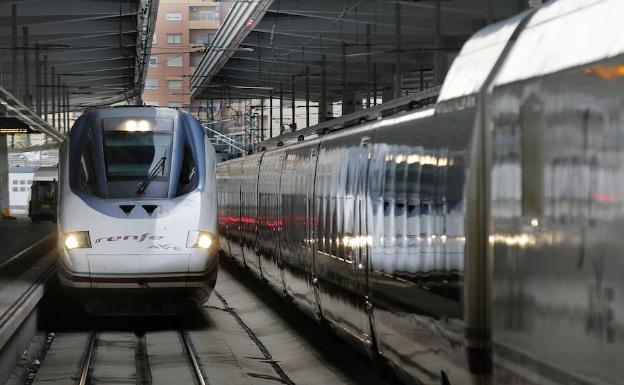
(138, 238)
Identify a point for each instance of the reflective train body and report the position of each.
(137, 209)
(475, 242)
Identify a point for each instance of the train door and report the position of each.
(269, 225)
(223, 220)
(296, 225)
(416, 181)
(249, 212)
(341, 238)
(234, 208)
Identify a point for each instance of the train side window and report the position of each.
(532, 124)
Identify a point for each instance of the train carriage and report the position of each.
(476, 241)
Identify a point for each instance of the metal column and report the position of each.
(323, 101)
(271, 115)
(37, 81)
(293, 107)
(397, 66)
(27, 97)
(368, 65)
(374, 84)
(344, 79)
(53, 94)
(262, 119)
(4, 175)
(44, 86)
(437, 42)
(14, 50)
(281, 114)
(65, 109)
(59, 100)
(307, 96)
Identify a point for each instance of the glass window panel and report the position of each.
(174, 16)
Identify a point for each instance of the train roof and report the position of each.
(557, 36)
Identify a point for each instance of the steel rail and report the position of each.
(190, 352)
(84, 374)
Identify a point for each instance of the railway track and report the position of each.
(90, 373)
(235, 339)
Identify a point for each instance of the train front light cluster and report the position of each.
(77, 240)
(201, 240)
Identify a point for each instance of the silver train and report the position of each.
(137, 210)
(475, 242)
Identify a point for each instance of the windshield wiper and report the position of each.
(153, 172)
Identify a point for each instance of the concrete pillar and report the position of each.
(4, 175)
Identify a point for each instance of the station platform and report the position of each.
(19, 234)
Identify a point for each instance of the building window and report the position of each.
(174, 38)
(15, 189)
(175, 61)
(208, 15)
(151, 104)
(154, 38)
(153, 61)
(151, 84)
(174, 16)
(22, 181)
(174, 84)
(22, 188)
(29, 181)
(175, 105)
(15, 181)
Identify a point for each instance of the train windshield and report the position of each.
(137, 151)
(133, 155)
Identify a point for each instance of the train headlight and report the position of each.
(201, 240)
(77, 240)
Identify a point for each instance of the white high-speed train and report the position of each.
(476, 242)
(137, 209)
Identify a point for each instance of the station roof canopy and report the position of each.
(339, 46)
(97, 49)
